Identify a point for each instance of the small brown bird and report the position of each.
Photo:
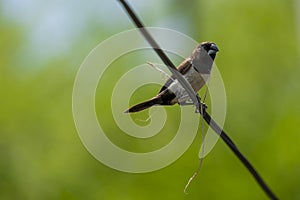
(195, 69)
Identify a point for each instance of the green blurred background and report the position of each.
(42, 46)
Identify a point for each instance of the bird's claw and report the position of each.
(203, 107)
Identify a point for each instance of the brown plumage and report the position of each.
(196, 69)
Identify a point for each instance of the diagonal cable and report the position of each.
(196, 101)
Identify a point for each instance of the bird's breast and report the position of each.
(196, 80)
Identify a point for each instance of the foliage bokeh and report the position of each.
(42, 156)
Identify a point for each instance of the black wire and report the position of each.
(240, 156)
(161, 54)
(192, 94)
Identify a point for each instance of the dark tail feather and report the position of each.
(144, 105)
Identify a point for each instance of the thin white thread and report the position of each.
(150, 116)
(160, 70)
(202, 128)
(202, 145)
(163, 73)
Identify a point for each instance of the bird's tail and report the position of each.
(144, 105)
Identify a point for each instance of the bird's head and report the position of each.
(210, 47)
(203, 56)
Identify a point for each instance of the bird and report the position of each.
(195, 69)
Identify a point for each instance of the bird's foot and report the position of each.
(203, 107)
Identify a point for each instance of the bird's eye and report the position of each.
(207, 47)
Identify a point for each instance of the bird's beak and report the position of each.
(213, 49)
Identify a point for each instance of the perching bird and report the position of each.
(196, 69)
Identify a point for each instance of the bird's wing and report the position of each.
(182, 68)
